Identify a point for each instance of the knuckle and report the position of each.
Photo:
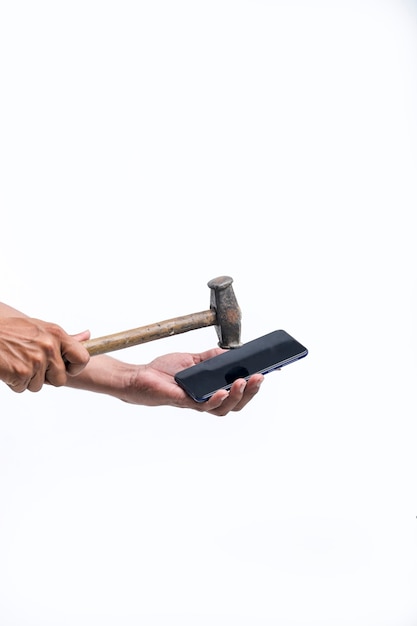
(49, 347)
(55, 329)
(23, 372)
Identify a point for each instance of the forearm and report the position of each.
(9, 311)
(104, 374)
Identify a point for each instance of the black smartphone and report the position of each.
(261, 355)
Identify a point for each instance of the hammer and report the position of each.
(224, 314)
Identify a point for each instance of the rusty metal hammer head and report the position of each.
(228, 315)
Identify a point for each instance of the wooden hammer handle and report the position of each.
(166, 328)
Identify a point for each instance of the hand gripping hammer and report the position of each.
(224, 314)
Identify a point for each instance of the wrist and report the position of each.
(104, 374)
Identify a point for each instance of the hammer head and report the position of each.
(228, 315)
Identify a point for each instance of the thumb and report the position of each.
(83, 336)
(75, 365)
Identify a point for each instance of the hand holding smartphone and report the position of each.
(259, 356)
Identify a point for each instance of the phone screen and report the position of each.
(260, 355)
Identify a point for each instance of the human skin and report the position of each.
(34, 352)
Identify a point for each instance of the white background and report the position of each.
(145, 148)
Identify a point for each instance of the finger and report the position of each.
(37, 381)
(73, 369)
(222, 402)
(208, 354)
(75, 356)
(233, 399)
(216, 401)
(251, 389)
(33, 381)
(83, 336)
(241, 392)
(18, 386)
(56, 374)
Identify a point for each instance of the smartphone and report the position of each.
(259, 356)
